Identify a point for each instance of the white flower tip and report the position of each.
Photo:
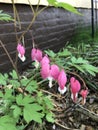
(36, 64)
(54, 126)
(23, 58)
(50, 82)
(74, 97)
(84, 101)
(62, 91)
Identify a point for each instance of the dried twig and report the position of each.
(86, 112)
(66, 128)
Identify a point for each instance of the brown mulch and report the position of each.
(73, 116)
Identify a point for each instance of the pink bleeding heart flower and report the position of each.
(75, 88)
(54, 71)
(84, 94)
(49, 72)
(45, 70)
(62, 79)
(21, 52)
(36, 56)
(45, 60)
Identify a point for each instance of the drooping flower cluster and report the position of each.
(53, 72)
(48, 71)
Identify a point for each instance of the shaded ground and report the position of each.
(72, 116)
(69, 115)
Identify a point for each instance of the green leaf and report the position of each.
(79, 68)
(13, 74)
(7, 123)
(8, 126)
(31, 86)
(24, 81)
(48, 103)
(16, 111)
(91, 69)
(64, 5)
(30, 114)
(14, 83)
(2, 80)
(74, 60)
(5, 17)
(8, 94)
(50, 118)
(68, 7)
(81, 60)
(24, 100)
(52, 2)
(64, 53)
(6, 76)
(50, 53)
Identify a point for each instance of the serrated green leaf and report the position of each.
(91, 69)
(8, 94)
(16, 111)
(29, 114)
(68, 7)
(5, 17)
(14, 83)
(36, 107)
(73, 60)
(2, 80)
(79, 68)
(64, 5)
(64, 53)
(8, 126)
(31, 86)
(7, 120)
(48, 103)
(19, 100)
(6, 76)
(81, 60)
(24, 100)
(13, 74)
(24, 81)
(50, 53)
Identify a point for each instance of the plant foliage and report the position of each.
(5, 17)
(64, 5)
(21, 105)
